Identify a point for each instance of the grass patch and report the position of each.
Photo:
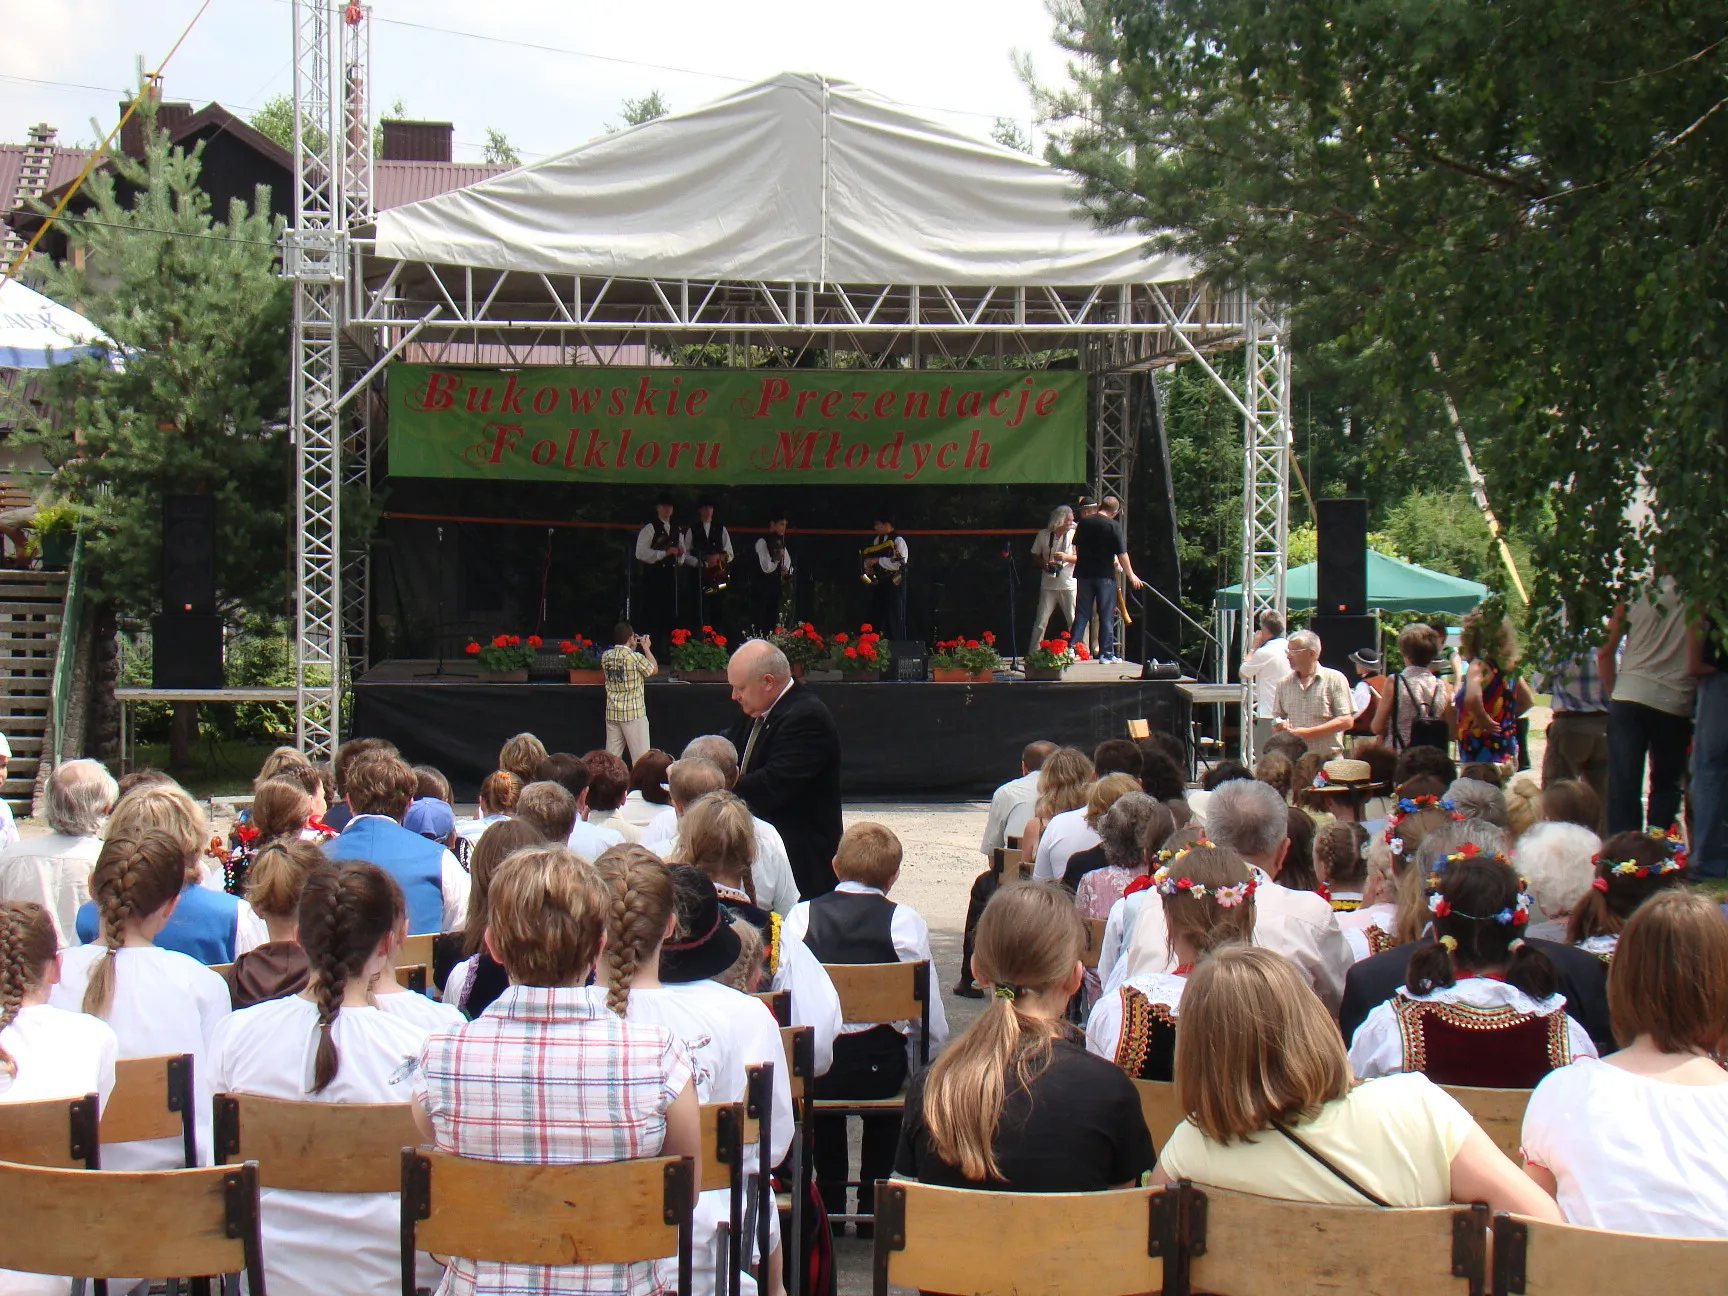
(1715, 888)
(217, 768)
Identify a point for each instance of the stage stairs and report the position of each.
(32, 604)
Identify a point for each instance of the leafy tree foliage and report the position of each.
(196, 403)
(644, 108)
(1521, 206)
(499, 150)
(1008, 134)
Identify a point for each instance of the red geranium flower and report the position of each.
(707, 629)
(473, 649)
(533, 641)
(971, 643)
(989, 637)
(851, 652)
(566, 645)
(840, 637)
(500, 641)
(1064, 635)
(866, 627)
(720, 641)
(515, 641)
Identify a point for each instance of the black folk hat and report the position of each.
(705, 944)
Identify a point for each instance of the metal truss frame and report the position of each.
(1265, 476)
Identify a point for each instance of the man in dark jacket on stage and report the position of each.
(789, 761)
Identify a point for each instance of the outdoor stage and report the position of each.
(910, 741)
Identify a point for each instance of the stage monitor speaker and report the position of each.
(188, 554)
(186, 651)
(1341, 586)
(1342, 635)
(908, 659)
(1161, 670)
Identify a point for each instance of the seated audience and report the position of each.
(435, 819)
(1416, 814)
(278, 966)
(687, 781)
(1066, 778)
(1252, 820)
(1483, 772)
(1341, 865)
(521, 756)
(45, 1052)
(498, 793)
(586, 839)
(1277, 771)
(1423, 761)
(1077, 830)
(1285, 744)
(1125, 913)
(421, 1008)
(53, 870)
(551, 1075)
(608, 781)
(478, 978)
(433, 785)
(1161, 778)
(1557, 862)
(1381, 761)
(1572, 801)
(1014, 1104)
(337, 816)
(724, 1031)
(158, 1001)
(1523, 803)
(1475, 799)
(1479, 1005)
(1222, 772)
(1207, 893)
(281, 808)
(1632, 867)
(649, 799)
(1011, 804)
(1273, 1109)
(1299, 873)
(328, 1043)
(1638, 1142)
(380, 788)
(857, 923)
(1099, 876)
(551, 811)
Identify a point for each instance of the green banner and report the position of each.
(737, 427)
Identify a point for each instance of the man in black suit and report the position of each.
(789, 761)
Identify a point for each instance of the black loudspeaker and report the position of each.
(188, 554)
(1341, 586)
(908, 659)
(186, 651)
(1342, 635)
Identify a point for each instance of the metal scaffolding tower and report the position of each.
(1265, 472)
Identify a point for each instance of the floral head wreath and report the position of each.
(1408, 806)
(1227, 897)
(1675, 863)
(1515, 914)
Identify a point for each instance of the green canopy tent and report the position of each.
(1393, 586)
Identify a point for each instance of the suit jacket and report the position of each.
(1583, 980)
(794, 783)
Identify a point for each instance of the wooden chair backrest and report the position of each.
(1255, 1246)
(221, 969)
(415, 949)
(880, 992)
(1094, 941)
(185, 1223)
(722, 1144)
(151, 1099)
(1500, 1113)
(799, 1043)
(1139, 729)
(412, 976)
(780, 1004)
(611, 1212)
(1539, 1259)
(59, 1133)
(1162, 1108)
(1014, 1244)
(316, 1146)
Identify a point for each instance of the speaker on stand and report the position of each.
(1341, 616)
(186, 639)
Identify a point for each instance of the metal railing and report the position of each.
(66, 652)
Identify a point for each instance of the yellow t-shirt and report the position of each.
(1396, 1136)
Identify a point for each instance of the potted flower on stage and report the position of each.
(506, 659)
(699, 658)
(859, 658)
(56, 527)
(581, 661)
(801, 644)
(1053, 656)
(965, 661)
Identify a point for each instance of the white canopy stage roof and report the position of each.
(37, 332)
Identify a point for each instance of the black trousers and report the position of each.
(888, 608)
(656, 611)
(1636, 731)
(983, 887)
(867, 1064)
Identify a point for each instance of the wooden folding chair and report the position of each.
(416, 949)
(780, 1004)
(1500, 1113)
(872, 993)
(59, 1133)
(1094, 942)
(221, 969)
(315, 1146)
(1015, 1244)
(163, 1223)
(152, 1099)
(1162, 1108)
(1138, 729)
(1006, 863)
(509, 1212)
(413, 976)
(723, 1141)
(1532, 1258)
(799, 1043)
(1237, 1244)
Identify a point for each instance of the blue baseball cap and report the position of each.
(430, 817)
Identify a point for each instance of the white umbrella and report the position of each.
(37, 332)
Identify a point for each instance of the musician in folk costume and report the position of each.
(771, 599)
(659, 548)
(885, 560)
(708, 550)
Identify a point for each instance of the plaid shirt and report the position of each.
(1576, 685)
(553, 1077)
(1327, 697)
(625, 670)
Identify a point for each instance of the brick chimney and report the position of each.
(168, 116)
(418, 141)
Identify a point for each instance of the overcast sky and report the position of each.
(67, 61)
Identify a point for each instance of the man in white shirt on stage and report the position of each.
(1267, 666)
(659, 550)
(1053, 550)
(773, 577)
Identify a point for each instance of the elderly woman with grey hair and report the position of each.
(1558, 861)
(53, 870)
(1131, 831)
(1475, 799)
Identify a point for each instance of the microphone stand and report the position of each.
(438, 632)
(1013, 633)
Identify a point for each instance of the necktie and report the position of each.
(750, 745)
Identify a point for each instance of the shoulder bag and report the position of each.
(1338, 1174)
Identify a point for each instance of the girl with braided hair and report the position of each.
(274, 883)
(329, 1044)
(45, 1052)
(157, 1000)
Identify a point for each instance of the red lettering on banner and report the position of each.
(945, 456)
(920, 457)
(793, 451)
(672, 397)
(648, 454)
(833, 450)
(615, 402)
(1020, 410)
(804, 398)
(550, 403)
(672, 458)
(1045, 400)
(888, 457)
(623, 445)
(582, 399)
(694, 402)
(511, 401)
(994, 397)
(942, 402)
(830, 403)
(857, 410)
(713, 458)
(917, 405)
(774, 390)
(596, 456)
(504, 438)
(440, 393)
(884, 405)
(645, 399)
(572, 447)
(543, 451)
(968, 405)
(857, 455)
(978, 452)
(485, 395)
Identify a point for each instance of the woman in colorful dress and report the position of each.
(1492, 697)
